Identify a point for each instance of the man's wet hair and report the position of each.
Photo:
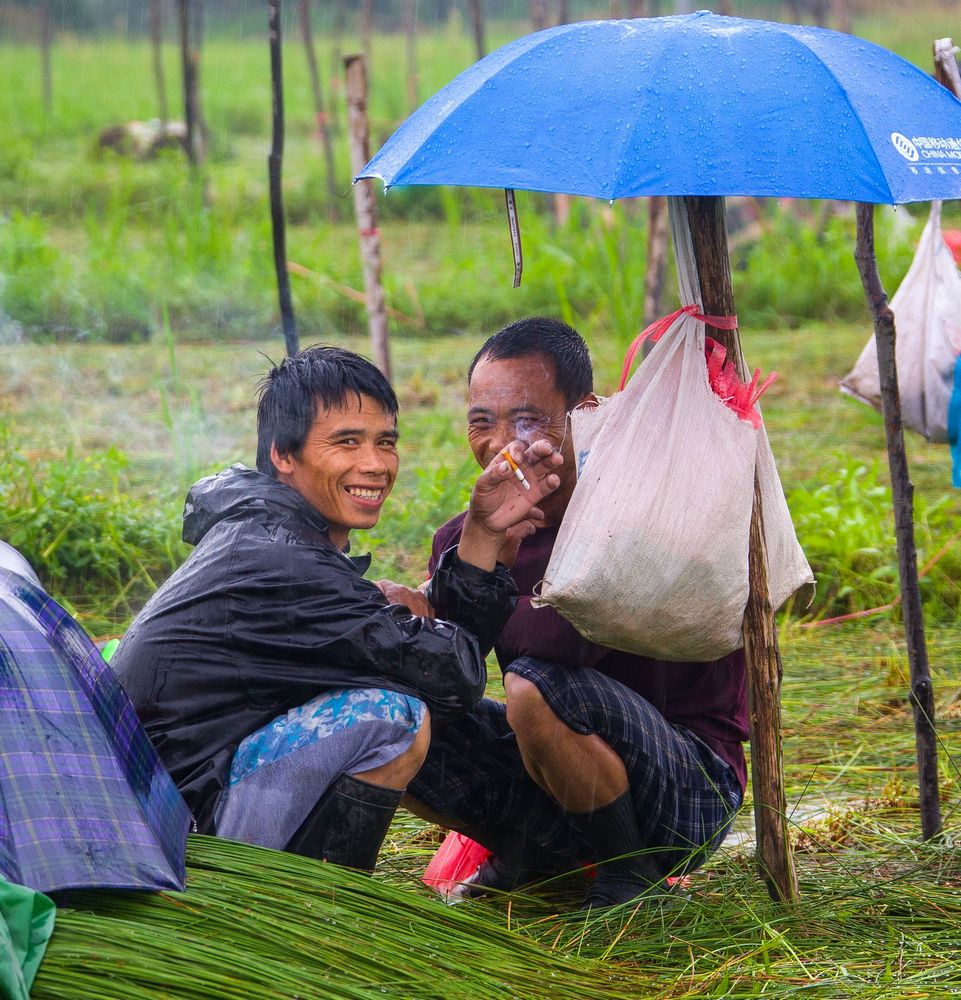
(540, 335)
(315, 378)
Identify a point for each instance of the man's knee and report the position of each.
(528, 714)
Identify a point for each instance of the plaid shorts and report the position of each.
(685, 796)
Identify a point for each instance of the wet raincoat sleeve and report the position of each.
(341, 630)
(474, 598)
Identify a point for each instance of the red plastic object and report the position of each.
(953, 239)
(456, 858)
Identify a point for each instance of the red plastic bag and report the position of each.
(457, 858)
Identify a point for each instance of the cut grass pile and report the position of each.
(879, 915)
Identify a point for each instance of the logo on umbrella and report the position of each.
(905, 147)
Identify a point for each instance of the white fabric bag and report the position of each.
(651, 556)
(927, 315)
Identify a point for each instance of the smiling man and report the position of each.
(291, 702)
(631, 763)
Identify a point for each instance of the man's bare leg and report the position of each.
(398, 773)
(581, 773)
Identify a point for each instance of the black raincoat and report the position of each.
(267, 613)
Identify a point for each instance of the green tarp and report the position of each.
(26, 923)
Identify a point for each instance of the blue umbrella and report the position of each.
(84, 798)
(697, 104)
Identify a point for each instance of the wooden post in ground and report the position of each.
(190, 27)
(156, 14)
(275, 173)
(320, 115)
(538, 12)
(657, 235)
(410, 48)
(477, 21)
(774, 853)
(922, 692)
(366, 31)
(365, 208)
(46, 46)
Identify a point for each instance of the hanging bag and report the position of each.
(651, 556)
(927, 313)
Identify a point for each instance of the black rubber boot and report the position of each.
(348, 824)
(624, 872)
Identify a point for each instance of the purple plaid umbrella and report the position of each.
(84, 798)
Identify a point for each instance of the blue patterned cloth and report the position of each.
(320, 719)
(84, 798)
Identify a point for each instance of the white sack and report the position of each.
(651, 556)
(927, 314)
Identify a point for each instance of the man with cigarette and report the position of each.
(291, 703)
(630, 763)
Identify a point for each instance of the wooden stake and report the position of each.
(410, 47)
(156, 44)
(275, 172)
(477, 20)
(190, 26)
(774, 854)
(320, 115)
(922, 692)
(365, 208)
(46, 45)
(657, 236)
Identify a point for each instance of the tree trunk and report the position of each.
(156, 45)
(477, 19)
(275, 163)
(190, 27)
(774, 854)
(410, 46)
(657, 235)
(46, 45)
(922, 693)
(320, 115)
(365, 208)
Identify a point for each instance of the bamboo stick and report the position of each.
(275, 171)
(774, 853)
(922, 692)
(365, 209)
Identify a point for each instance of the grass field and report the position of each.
(134, 324)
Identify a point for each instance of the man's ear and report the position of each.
(282, 463)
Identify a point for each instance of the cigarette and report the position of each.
(506, 455)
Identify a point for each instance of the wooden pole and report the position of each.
(774, 853)
(477, 20)
(156, 14)
(410, 47)
(275, 172)
(366, 30)
(922, 692)
(657, 235)
(190, 23)
(538, 12)
(320, 115)
(476, 8)
(365, 208)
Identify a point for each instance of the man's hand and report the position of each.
(500, 503)
(414, 600)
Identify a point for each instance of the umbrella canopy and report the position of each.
(697, 104)
(84, 798)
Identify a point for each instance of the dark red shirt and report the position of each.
(709, 699)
